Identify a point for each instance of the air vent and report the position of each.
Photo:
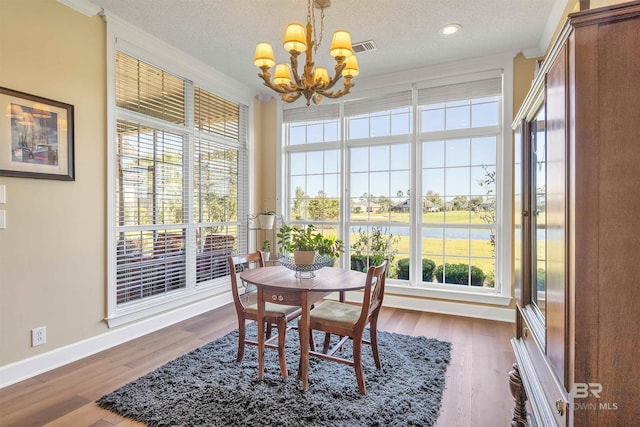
(367, 46)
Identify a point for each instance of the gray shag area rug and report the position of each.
(207, 387)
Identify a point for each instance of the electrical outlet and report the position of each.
(38, 336)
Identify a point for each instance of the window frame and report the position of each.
(158, 54)
(501, 295)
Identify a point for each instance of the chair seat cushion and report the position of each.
(336, 313)
(273, 310)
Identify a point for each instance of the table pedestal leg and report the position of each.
(260, 332)
(303, 330)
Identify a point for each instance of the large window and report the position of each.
(180, 155)
(420, 181)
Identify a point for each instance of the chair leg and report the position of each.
(373, 329)
(312, 341)
(282, 334)
(242, 332)
(300, 358)
(269, 326)
(327, 341)
(357, 363)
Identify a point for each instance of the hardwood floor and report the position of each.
(476, 393)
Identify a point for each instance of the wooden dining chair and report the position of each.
(349, 321)
(247, 309)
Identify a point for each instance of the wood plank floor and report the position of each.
(476, 393)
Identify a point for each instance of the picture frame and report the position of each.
(36, 137)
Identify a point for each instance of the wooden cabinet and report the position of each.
(577, 228)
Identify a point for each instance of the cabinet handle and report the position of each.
(560, 406)
(525, 332)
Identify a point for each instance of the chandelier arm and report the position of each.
(266, 76)
(291, 96)
(294, 68)
(337, 94)
(340, 65)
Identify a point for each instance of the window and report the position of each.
(459, 136)
(421, 175)
(180, 154)
(314, 168)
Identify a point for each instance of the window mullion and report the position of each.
(415, 225)
(188, 184)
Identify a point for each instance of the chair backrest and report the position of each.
(238, 264)
(373, 291)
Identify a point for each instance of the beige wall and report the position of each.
(265, 142)
(52, 253)
(523, 73)
(269, 152)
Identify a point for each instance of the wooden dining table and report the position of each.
(278, 285)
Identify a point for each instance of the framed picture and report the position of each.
(36, 137)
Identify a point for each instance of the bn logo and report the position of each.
(582, 390)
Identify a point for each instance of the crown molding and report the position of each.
(83, 6)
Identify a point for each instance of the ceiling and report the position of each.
(223, 33)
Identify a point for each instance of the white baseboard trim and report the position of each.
(453, 308)
(501, 314)
(28, 368)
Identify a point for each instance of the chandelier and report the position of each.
(314, 83)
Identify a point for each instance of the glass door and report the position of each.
(538, 217)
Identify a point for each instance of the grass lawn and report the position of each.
(479, 251)
(452, 217)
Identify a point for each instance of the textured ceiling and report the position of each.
(223, 33)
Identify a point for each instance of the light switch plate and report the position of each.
(3, 194)
(3, 219)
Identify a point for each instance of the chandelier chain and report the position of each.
(311, 19)
(321, 31)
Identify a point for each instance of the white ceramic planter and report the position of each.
(266, 221)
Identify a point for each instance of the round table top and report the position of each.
(328, 279)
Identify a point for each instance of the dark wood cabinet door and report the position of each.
(556, 215)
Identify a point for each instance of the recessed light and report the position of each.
(450, 29)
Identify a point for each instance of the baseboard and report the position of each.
(453, 308)
(28, 368)
(501, 314)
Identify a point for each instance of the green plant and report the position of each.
(329, 246)
(372, 248)
(459, 274)
(427, 269)
(266, 246)
(292, 239)
(267, 212)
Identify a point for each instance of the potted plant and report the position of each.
(266, 249)
(330, 247)
(266, 219)
(298, 241)
(304, 243)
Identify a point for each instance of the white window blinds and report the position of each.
(460, 91)
(377, 104)
(148, 90)
(164, 235)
